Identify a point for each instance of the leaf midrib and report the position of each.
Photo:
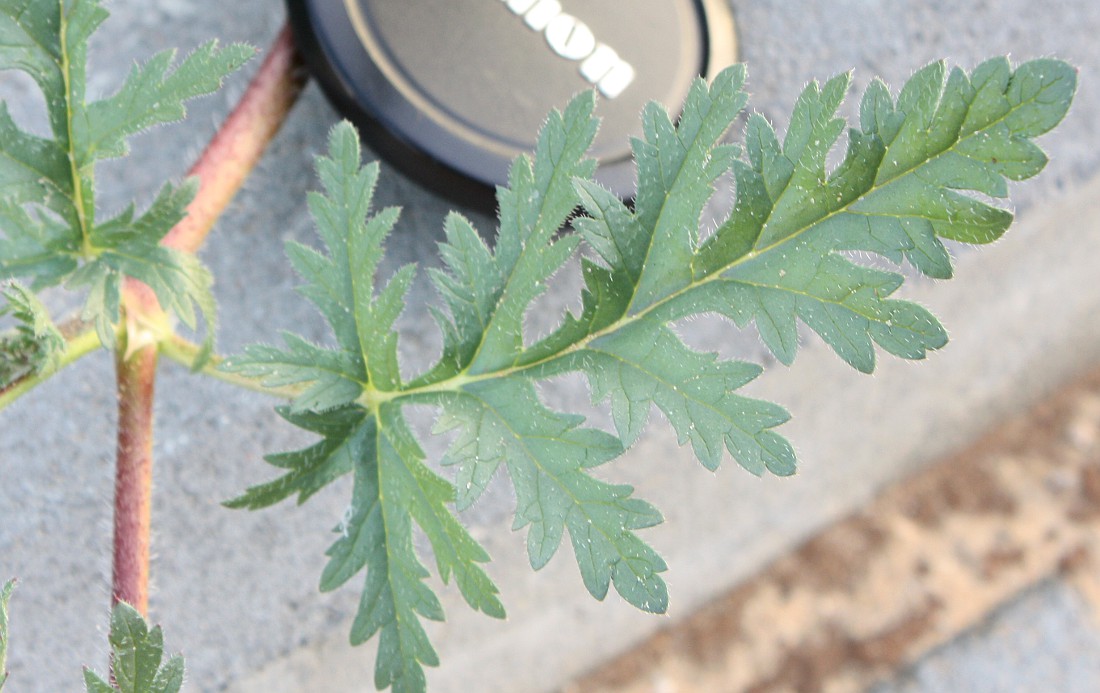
(83, 221)
(555, 175)
(664, 203)
(458, 381)
(383, 510)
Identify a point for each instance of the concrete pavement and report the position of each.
(236, 591)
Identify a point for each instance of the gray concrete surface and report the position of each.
(1045, 640)
(237, 592)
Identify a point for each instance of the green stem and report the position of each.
(186, 352)
(76, 347)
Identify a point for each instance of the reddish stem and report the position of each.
(235, 149)
(133, 477)
(222, 168)
(237, 146)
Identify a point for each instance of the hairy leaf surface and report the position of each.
(47, 185)
(547, 455)
(137, 658)
(897, 194)
(34, 344)
(393, 488)
(783, 255)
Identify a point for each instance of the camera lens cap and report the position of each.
(450, 91)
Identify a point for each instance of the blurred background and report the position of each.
(941, 535)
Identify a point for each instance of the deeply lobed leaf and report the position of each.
(778, 258)
(896, 194)
(47, 185)
(392, 487)
(547, 456)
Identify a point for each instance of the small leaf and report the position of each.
(393, 489)
(677, 167)
(895, 194)
(345, 438)
(488, 293)
(137, 655)
(5, 596)
(332, 377)
(34, 345)
(154, 93)
(647, 364)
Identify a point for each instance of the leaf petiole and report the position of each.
(187, 353)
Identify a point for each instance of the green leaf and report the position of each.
(332, 377)
(920, 169)
(393, 488)
(647, 363)
(129, 247)
(502, 422)
(154, 93)
(36, 246)
(179, 280)
(5, 596)
(34, 345)
(488, 292)
(677, 167)
(377, 535)
(343, 437)
(897, 193)
(341, 285)
(47, 185)
(137, 655)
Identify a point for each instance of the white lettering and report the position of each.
(542, 13)
(570, 38)
(520, 6)
(608, 71)
(573, 40)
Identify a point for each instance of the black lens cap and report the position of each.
(450, 91)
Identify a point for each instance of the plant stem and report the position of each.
(222, 168)
(186, 352)
(236, 148)
(133, 477)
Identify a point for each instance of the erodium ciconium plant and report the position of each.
(918, 169)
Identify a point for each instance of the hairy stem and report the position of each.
(237, 146)
(133, 477)
(222, 168)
